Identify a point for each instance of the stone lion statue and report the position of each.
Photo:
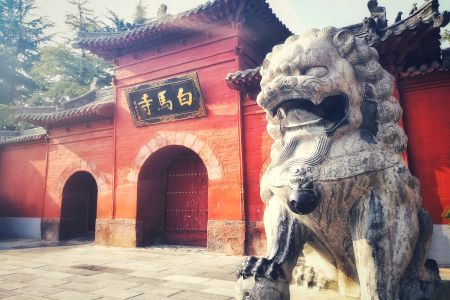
(337, 188)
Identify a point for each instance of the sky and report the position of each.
(298, 15)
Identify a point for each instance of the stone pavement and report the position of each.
(80, 270)
(89, 271)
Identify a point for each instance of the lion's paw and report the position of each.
(306, 276)
(259, 268)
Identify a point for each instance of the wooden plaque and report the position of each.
(172, 99)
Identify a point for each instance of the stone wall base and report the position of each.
(57, 229)
(224, 236)
(255, 242)
(50, 229)
(117, 232)
(440, 244)
(20, 228)
(227, 237)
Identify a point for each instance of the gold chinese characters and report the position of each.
(164, 102)
(182, 97)
(145, 104)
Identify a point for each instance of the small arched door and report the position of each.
(187, 200)
(78, 206)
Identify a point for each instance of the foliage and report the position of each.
(140, 13)
(63, 73)
(7, 121)
(83, 18)
(446, 35)
(20, 36)
(33, 72)
(118, 24)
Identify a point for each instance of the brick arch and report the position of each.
(82, 166)
(179, 138)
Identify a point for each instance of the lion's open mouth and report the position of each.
(330, 114)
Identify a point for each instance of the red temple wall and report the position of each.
(215, 138)
(83, 147)
(426, 104)
(256, 152)
(256, 146)
(22, 182)
(115, 152)
(251, 54)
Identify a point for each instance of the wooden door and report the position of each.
(187, 201)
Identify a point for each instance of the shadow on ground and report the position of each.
(10, 244)
(80, 269)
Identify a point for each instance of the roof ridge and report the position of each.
(112, 45)
(145, 26)
(22, 136)
(432, 5)
(155, 21)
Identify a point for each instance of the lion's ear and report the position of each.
(344, 42)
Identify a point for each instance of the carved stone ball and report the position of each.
(261, 289)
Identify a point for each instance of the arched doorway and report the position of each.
(78, 206)
(173, 198)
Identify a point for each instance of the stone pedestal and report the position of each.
(117, 232)
(226, 237)
(262, 289)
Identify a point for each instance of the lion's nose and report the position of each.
(303, 201)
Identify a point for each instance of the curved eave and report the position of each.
(255, 13)
(246, 80)
(91, 112)
(426, 21)
(23, 139)
(412, 23)
(425, 69)
(428, 14)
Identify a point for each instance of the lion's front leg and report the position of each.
(384, 229)
(284, 244)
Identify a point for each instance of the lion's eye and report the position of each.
(316, 72)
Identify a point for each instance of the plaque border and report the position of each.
(201, 112)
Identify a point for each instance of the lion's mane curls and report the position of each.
(377, 82)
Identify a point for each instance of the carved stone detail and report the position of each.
(337, 187)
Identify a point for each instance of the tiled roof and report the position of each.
(249, 79)
(419, 32)
(418, 35)
(22, 137)
(428, 13)
(256, 14)
(93, 105)
(244, 80)
(426, 68)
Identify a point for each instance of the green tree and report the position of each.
(83, 18)
(118, 24)
(140, 13)
(7, 121)
(64, 73)
(21, 34)
(446, 35)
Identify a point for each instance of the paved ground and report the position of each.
(40, 270)
(89, 271)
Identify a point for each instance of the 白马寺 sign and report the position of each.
(167, 100)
